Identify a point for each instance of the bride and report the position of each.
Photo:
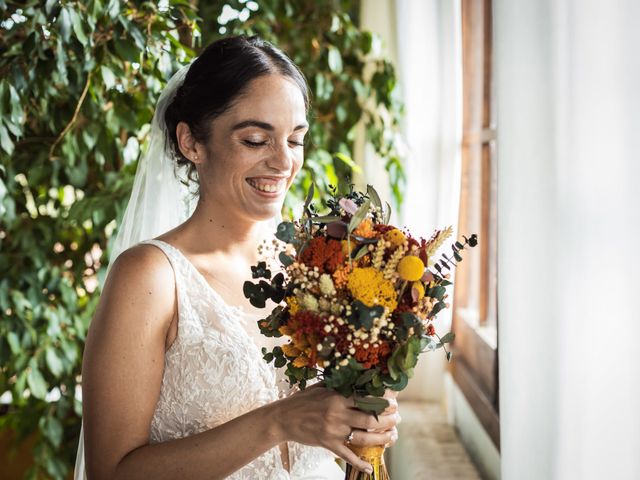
(174, 385)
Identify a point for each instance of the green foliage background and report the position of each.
(78, 83)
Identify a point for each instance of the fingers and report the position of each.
(362, 438)
(350, 457)
(366, 421)
(390, 394)
(392, 408)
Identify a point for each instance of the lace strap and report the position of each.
(176, 262)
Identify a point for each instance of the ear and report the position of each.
(189, 147)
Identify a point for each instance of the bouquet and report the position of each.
(356, 301)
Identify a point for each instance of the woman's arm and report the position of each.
(122, 375)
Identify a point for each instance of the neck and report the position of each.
(225, 232)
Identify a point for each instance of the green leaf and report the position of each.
(64, 22)
(127, 50)
(448, 338)
(14, 343)
(365, 377)
(335, 60)
(36, 383)
(53, 362)
(359, 216)
(108, 77)
(286, 232)
(371, 404)
(5, 140)
(309, 198)
(375, 198)
(285, 259)
(387, 213)
(347, 160)
(51, 427)
(362, 251)
(77, 27)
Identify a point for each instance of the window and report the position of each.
(475, 318)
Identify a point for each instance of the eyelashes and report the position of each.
(251, 144)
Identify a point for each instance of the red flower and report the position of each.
(431, 330)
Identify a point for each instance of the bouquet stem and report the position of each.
(374, 456)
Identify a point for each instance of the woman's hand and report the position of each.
(322, 417)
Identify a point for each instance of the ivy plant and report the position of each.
(78, 84)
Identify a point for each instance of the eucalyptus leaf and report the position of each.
(367, 376)
(309, 198)
(359, 216)
(371, 404)
(285, 259)
(447, 338)
(375, 198)
(286, 232)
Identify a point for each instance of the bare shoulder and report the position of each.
(142, 267)
(140, 284)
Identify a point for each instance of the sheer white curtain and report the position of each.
(568, 77)
(429, 70)
(422, 38)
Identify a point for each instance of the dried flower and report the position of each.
(411, 268)
(370, 287)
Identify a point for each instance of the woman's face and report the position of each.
(255, 149)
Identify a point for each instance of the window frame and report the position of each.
(474, 364)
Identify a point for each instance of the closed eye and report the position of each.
(253, 144)
(297, 144)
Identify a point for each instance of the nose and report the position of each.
(281, 158)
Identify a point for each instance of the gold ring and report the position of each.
(349, 438)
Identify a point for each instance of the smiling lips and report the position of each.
(271, 185)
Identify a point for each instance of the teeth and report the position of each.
(270, 188)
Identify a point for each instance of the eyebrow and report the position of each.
(263, 125)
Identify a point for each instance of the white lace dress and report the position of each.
(214, 372)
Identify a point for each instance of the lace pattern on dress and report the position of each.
(214, 372)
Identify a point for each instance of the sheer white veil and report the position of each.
(159, 201)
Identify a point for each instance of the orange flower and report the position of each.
(341, 276)
(324, 253)
(365, 229)
(373, 355)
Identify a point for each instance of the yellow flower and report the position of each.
(293, 305)
(411, 268)
(290, 351)
(370, 287)
(396, 237)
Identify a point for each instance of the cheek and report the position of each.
(298, 161)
